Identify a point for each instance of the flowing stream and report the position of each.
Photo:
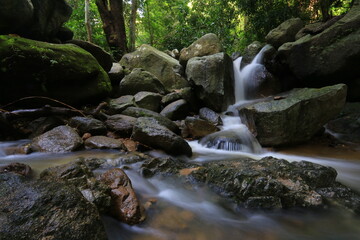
(178, 213)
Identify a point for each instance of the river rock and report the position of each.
(34, 19)
(251, 51)
(328, 57)
(58, 140)
(208, 44)
(18, 168)
(140, 112)
(44, 124)
(296, 117)
(285, 32)
(167, 69)
(140, 80)
(103, 58)
(121, 125)
(118, 105)
(183, 93)
(46, 210)
(213, 79)
(88, 125)
(176, 110)
(209, 115)
(151, 132)
(116, 74)
(198, 128)
(102, 142)
(125, 206)
(61, 71)
(148, 100)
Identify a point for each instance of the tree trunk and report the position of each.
(112, 16)
(134, 7)
(87, 20)
(150, 29)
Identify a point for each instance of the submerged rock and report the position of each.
(296, 117)
(46, 210)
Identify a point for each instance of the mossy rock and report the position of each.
(61, 71)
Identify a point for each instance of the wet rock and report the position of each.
(213, 79)
(285, 32)
(140, 112)
(151, 132)
(58, 140)
(46, 210)
(121, 125)
(165, 68)
(44, 124)
(61, 71)
(209, 115)
(102, 142)
(198, 128)
(251, 51)
(140, 80)
(208, 44)
(176, 110)
(88, 125)
(163, 166)
(120, 104)
(124, 204)
(295, 118)
(18, 168)
(103, 58)
(148, 100)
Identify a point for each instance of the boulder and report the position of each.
(211, 116)
(213, 79)
(102, 142)
(104, 59)
(46, 210)
(124, 204)
(58, 140)
(177, 110)
(296, 116)
(198, 128)
(149, 131)
(285, 32)
(116, 74)
(208, 44)
(328, 57)
(121, 125)
(88, 125)
(251, 51)
(34, 19)
(183, 93)
(148, 100)
(165, 68)
(118, 105)
(61, 71)
(140, 112)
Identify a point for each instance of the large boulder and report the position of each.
(296, 117)
(213, 79)
(46, 210)
(64, 72)
(208, 44)
(329, 57)
(167, 69)
(58, 140)
(285, 32)
(150, 132)
(35, 19)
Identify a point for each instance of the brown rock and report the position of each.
(18, 168)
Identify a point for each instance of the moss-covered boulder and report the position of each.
(296, 117)
(167, 69)
(61, 71)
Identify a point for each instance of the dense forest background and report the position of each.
(170, 24)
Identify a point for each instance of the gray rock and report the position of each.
(165, 68)
(176, 110)
(285, 32)
(103, 58)
(213, 79)
(140, 112)
(150, 132)
(102, 142)
(209, 115)
(88, 125)
(58, 140)
(198, 128)
(148, 100)
(46, 210)
(251, 51)
(122, 125)
(140, 80)
(116, 74)
(120, 104)
(208, 44)
(296, 117)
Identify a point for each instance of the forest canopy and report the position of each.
(170, 24)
